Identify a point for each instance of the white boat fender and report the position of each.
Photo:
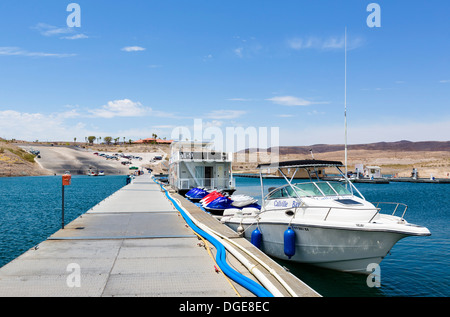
(289, 243)
(240, 230)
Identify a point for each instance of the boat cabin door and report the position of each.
(208, 175)
(220, 177)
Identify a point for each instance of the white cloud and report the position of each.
(247, 48)
(290, 101)
(315, 113)
(330, 43)
(65, 125)
(299, 43)
(238, 52)
(133, 49)
(50, 30)
(285, 115)
(333, 43)
(445, 81)
(69, 114)
(293, 101)
(16, 51)
(121, 108)
(208, 57)
(225, 114)
(32, 126)
(213, 123)
(76, 37)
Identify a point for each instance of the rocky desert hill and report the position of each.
(14, 161)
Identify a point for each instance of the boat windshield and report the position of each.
(321, 189)
(311, 189)
(340, 188)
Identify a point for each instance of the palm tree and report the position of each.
(108, 140)
(91, 139)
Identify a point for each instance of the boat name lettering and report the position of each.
(280, 203)
(296, 204)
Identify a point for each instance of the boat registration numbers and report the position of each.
(297, 227)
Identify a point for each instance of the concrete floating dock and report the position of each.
(135, 243)
(421, 180)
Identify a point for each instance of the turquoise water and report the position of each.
(30, 211)
(417, 266)
(30, 207)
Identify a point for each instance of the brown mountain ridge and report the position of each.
(409, 146)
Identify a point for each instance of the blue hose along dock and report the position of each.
(147, 241)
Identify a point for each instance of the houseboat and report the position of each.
(197, 165)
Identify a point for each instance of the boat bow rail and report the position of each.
(397, 205)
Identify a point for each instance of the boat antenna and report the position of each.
(345, 100)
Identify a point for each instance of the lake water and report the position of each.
(30, 207)
(30, 211)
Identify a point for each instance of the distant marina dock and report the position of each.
(386, 180)
(137, 243)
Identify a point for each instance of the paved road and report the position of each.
(77, 161)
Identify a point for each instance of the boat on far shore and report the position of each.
(92, 171)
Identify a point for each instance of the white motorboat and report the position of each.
(328, 224)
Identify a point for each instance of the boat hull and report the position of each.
(345, 250)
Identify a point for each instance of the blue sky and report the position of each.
(139, 67)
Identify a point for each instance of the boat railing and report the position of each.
(397, 205)
(294, 210)
(377, 209)
(208, 183)
(200, 156)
